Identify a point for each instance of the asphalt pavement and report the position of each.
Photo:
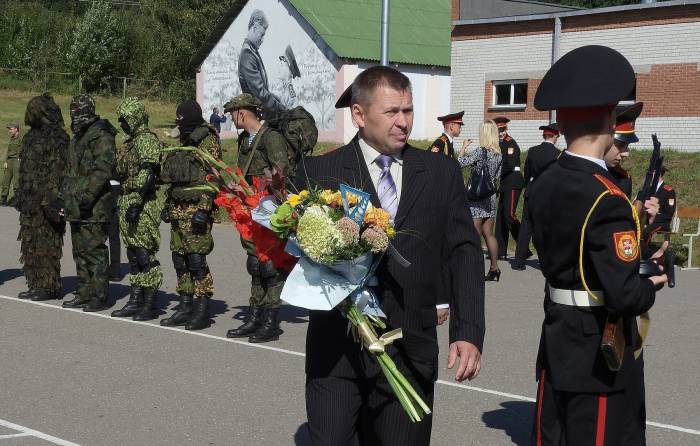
(72, 378)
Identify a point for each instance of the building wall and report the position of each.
(431, 98)
(664, 49)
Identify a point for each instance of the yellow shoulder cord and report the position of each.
(644, 319)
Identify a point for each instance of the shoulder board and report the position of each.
(508, 138)
(668, 187)
(443, 137)
(609, 185)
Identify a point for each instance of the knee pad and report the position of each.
(197, 265)
(253, 266)
(179, 263)
(143, 257)
(269, 275)
(133, 260)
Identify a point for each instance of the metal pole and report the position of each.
(556, 41)
(384, 56)
(124, 89)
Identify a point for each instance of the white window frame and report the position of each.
(512, 83)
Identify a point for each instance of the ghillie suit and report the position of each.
(41, 173)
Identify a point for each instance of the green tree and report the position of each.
(99, 46)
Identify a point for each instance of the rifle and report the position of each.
(649, 267)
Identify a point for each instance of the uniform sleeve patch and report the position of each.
(511, 150)
(671, 201)
(626, 246)
(668, 187)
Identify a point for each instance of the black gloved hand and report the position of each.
(52, 211)
(165, 214)
(200, 220)
(132, 213)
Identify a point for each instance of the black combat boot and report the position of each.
(270, 329)
(149, 310)
(182, 314)
(29, 294)
(76, 302)
(200, 315)
(133, 306)
(250, 326)
(41, 295)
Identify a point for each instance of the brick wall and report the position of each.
(665, 56)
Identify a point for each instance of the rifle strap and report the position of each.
(256, 141)
(644, 319)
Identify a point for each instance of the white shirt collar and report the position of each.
(661, 182)
(448, 136)
(370, 154)
(598, 161)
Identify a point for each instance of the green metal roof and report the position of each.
(419, 30)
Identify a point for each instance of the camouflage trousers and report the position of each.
(142, 234)
(266, 286)
(91, 259)
(189, 252)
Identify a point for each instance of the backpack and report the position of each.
(298, 127)
(480, 185)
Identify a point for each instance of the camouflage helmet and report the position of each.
(132, 111)
(244, 100)
(82, 112)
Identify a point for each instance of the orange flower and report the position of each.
(377, 217)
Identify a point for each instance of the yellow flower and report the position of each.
(377, 217)
(304, 193)
(390, 232)
(294, 199)
(331, 198)
(352, 199)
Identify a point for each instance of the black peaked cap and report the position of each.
(345, 98)
(588, 76)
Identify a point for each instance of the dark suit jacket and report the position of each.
(446, 264)
(510, 178)
(253, 78)
(570, 344)
(539, 157)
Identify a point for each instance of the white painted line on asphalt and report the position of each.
(295, 353)
(21, 434)
(34, 433)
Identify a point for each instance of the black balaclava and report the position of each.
(189, 117)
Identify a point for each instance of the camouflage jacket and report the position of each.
(268, 149)
(90, 166)
(181, 170)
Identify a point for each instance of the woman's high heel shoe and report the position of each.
(493, 276)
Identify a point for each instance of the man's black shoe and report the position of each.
(41, 295)
(95, 305)
(518, 266)
(76, 302)
(26, 294)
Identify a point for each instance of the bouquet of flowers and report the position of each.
(340, 238)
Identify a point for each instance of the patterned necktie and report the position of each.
(386, 188)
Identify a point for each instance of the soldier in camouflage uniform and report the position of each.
(88, 202)
(139, 209)
(191, 214)
(260, 148)
(11, 164)
(41, 224)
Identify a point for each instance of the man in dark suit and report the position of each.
(251, 69)
(512, 184)
(538, 158)
(586, 234)
(348, 400)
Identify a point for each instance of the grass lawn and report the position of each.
(683, 175)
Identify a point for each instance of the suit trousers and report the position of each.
(522, 248)
(364, 411)
(507, 221)
(578, 419)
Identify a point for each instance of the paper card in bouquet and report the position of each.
(358, 212)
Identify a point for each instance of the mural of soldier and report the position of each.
(251, 69)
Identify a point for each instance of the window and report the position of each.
(510, 94)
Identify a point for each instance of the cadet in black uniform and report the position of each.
(624, 136)
(512, 184)
(667, 207)
(575, 202)
(452, 125)
(539, 157)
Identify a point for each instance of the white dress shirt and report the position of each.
(396, 169)
(598, 161)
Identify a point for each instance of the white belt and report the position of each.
(516, 168)
(575, 298)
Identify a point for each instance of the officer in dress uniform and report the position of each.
(452, 125)
(586, 233)
(512, 184)
(539, 157)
